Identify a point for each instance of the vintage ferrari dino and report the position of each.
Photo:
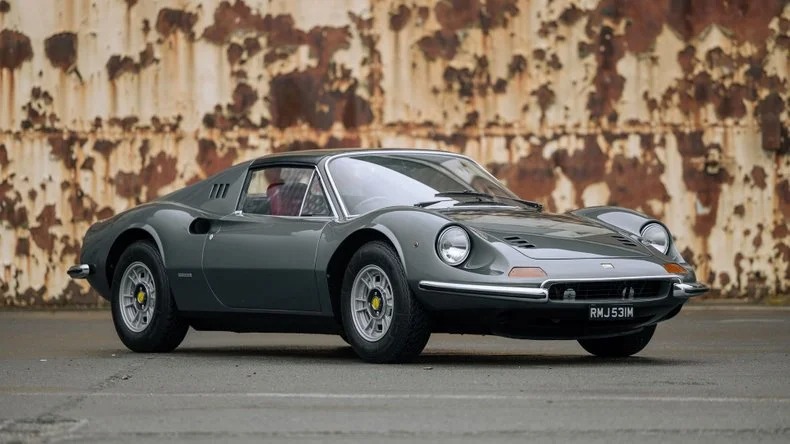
(383, 248)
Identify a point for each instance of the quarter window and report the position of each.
(282, 191)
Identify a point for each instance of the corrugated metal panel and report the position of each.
(676, 108)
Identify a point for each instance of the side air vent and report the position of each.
(219, 191)
(518, 241)
(624, 240)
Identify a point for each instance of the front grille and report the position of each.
(608, 290)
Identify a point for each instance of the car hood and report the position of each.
(550, 236)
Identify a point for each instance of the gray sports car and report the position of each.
(383, 248)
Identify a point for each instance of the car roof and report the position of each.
(315, 156)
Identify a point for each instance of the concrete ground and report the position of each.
(711, 375)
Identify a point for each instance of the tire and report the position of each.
(619, 346)
(158, 327)
(408, 330)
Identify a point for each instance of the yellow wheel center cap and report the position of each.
(140, 296)
(376, 303)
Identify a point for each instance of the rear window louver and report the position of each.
(518, 241)
(219, 191)
(624, 240)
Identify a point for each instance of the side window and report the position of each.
(276, 191)
(315, 203)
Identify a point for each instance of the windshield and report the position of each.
(368, 182)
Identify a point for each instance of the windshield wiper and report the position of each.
(477, 194)
(428, 203)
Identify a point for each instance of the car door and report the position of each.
(263, 255)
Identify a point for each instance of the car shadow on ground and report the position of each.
(345, 355)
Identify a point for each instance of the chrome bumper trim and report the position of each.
(536, 294)
(80, 271)
(685, 290)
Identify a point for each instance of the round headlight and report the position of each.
(656, 236)
(453, 245)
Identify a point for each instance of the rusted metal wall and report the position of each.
(678, 108)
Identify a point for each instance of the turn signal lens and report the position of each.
(674, 268)
(526, 272)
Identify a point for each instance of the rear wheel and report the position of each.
(143, 309)
(619, 346)
(382, 320)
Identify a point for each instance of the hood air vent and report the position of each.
(518, 241)
(624, 240)
(219, 191)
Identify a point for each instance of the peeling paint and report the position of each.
(676, 108)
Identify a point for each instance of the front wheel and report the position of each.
(143, 309)
(619, 346)
(383, 322)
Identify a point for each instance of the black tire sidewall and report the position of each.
(152, 337)
(619, 346)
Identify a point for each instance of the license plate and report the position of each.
(611, 312)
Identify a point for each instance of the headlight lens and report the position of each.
(656, 236)
(453, 245)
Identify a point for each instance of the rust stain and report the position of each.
(38, 112)
(584, 167)
(15, 49)
(244, 96)
(399, 17)
(41, 234)
(12, 208)
(4, 162)
(210, 160)
(441, 44)
(157, 172)
(747, 20)
(61, 50)
(168, 21)
(297, 145)
(532, 177)
(118, 65)
(707, 186)
(758, 176)
(238, 17)
(63, 147)
(774, 131)
(783, 193)
(104, 147)
(22, 247)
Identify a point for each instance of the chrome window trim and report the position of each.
(392, 151)
(306, 192)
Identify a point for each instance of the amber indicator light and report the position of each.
(526, 272)
(674, 268)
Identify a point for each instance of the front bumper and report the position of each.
(541, 294)
(530, 312)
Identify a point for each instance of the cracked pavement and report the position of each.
(711, 375)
